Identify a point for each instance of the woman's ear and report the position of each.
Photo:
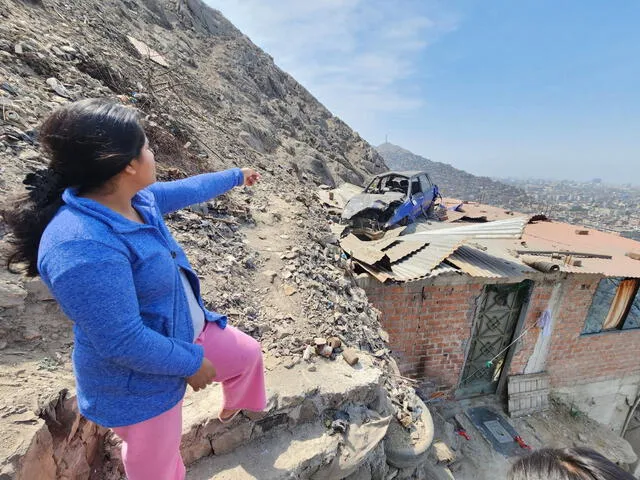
(130, 169)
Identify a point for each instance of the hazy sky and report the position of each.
(543, 88)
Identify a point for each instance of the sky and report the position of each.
(532, 88)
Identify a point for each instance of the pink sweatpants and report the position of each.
(151, 449)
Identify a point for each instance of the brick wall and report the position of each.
(429, 327)
(575, 359)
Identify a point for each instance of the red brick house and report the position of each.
(468, 304)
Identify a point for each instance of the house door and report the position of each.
(494, 328)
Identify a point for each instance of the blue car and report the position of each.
(392, 198)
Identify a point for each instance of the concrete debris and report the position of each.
(11, 294)
(308, 352)
(350, 356)
(289, 290)
(326, 351)
(405, 419)
(146, 52)
(339, 426)
(362, 438)
(270, 274)
(443, 452)
(383, 335)
(292, 362)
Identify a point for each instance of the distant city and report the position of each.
(594, 204)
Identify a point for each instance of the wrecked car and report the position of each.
(392, 198)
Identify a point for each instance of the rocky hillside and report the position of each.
(457, 183)
(212, 95)
(211, 100)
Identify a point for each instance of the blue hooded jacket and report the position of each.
(119, 283)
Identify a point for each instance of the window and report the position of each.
(415, 186)
(615, 306)
(425, 183)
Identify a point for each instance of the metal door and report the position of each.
(495, 324)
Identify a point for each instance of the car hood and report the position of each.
(366, 201)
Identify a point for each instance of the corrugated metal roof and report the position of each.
(508, 228)
(454, 216)
(479, 263)
(559, 237)
(421, 263)
(597, 266)
(473, 210)
(490, 249)
(363, 251)
(443, 269)
(386, 251)
(399, 250)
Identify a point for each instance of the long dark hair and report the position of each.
(567, 464)
(88, 142)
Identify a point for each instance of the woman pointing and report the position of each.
(92, 227)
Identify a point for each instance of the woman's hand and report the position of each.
(203, 377)
(251, 177)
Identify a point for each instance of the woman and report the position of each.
(566, 464)
(92, 227)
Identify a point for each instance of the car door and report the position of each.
(428, 189)
(417, 196)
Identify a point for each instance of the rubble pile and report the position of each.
(333, 311)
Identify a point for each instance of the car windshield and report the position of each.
(389, 183)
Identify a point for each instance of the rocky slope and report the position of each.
(266, 256)
(457, 183)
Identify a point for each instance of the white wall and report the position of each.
(607, 402)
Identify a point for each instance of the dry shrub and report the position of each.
(170, 152)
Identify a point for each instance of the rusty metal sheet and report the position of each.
(453, 216)
(475, 210)
(560, 236)
(394, 233)
(490, 250)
